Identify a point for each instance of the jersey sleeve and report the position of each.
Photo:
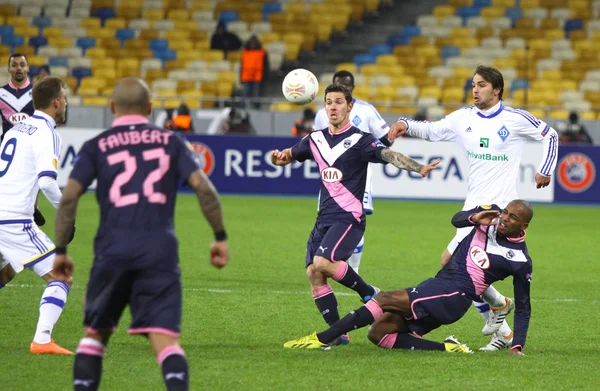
(186, 159)
(321, 120)
(442, 130)
(371, 149)
(522, 286)
(301, 151)
(533, 129)
(462, 219)
(46, 148)
(85, 170)
(377, 125)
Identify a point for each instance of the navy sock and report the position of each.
(175, 372)
(346, 276)
(327, 304)
(354, 320)
(87, 372)
(408, 342)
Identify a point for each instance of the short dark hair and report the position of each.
(527, 207)
(336, 87)
(343, 73)
(491, 75)
(17, 55)
(46, 90)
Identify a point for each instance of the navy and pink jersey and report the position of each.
(138, 168)
(486, 256)
(16, 104)
(343, 160)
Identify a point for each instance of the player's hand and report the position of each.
(516, 352)
(280, 158)
(541, 180)
(63, 268)
(486, 217)
(428, 168)
(397, 130)
(219, 254)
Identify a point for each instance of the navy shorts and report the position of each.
(154, 298)
(334, 241)
(435, 302)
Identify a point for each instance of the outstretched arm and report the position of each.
(282, 158)
(405, 163)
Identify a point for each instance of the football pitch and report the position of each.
(235, 320)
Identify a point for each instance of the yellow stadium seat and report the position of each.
(52, 31)
(568, 85)
(204, 46)
(267, 38)
(324, 32)
(460, 3)
(34, 60)
(94, 101)
(175, 35)
(178, 15)
(93, 82)
(192, 94)
(186, 85)
(91, 23)
(116, 23)
(61, 42)
(525, 4)
(370, 70)
(171, 103)
(387, 60)
(433, 92)
(453, 95)
(362, 92)
(192, 104)
(293, 38)
(291, 52)
(8, 10)
(462, 73)
(492, 12)
(441, 11)
(226, 77)
(551, 74)
(166, 93)
(153, 14)
(181, 45)
(503, 3)
(88, 90)
(460, 32)
(26, 31)
(225, 89)
(15, 20)
(26, 50)
(104, 73)
(189, 55)
(588, 115)
(284, 106)
(554, 34)
(149, 34)
(213, 55)
(559, 114)
(347, 66)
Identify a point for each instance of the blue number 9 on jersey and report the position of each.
(7, 154)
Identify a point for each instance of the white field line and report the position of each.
(307, 292)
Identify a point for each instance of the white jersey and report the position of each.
(365, 117)
(29, 151)
(492, 142)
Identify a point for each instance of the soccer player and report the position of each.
(138, 168)
(492, 251)
(28, 162)
(366, 118)
(342, 153)
(492, 137)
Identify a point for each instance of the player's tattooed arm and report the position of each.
(65, 215)
(405, 163)
(209, 199)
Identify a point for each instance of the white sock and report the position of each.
(483, 308)
(354, 260)
(505, 330)
(51, 306)
(493, 297)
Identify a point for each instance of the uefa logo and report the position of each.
(207, 156)
(576, 172)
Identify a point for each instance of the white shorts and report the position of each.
(24, 245)
(461, 233)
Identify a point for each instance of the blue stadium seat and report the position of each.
(467, 12)
(85, 43)
(81, 72)
(104, 13)
(228, 16)
(481, 3)
(362, 59)
(33, 71)
(411, 31)
(514, 14)
(125, 34)
(159, 44)
(58, 61)
(468, 84)
(519, 84)
(573, 24)
(6, 31)
(41, 22)
(13, 40)
(165, 54)
(397, 40)
(38, 41)
(378, 50)
(270, 8)
(450, 51)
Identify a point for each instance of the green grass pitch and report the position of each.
(236, 319)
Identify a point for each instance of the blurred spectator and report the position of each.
(43, 72)
(181, 120)
(224, 40)
(572, 132)
(238, 123)
(304, 126)
(421, 115)
(254, 67)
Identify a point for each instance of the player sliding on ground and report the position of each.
(343, 153)
(494, 250)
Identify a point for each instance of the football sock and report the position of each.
(87, 369)
(326, 303)
(483, 308)
(362, 317)
(408, 342)
(493, 297)
(1, 285)
(347, 277)
(174, 368)
(51, 306)
(354, 260)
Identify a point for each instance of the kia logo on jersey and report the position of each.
(17, 117)
(479, 257)
(331, 175)
(576, 172)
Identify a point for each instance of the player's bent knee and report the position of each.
(7, 274)
(375, 335)
(321, 263)
(51, 276)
